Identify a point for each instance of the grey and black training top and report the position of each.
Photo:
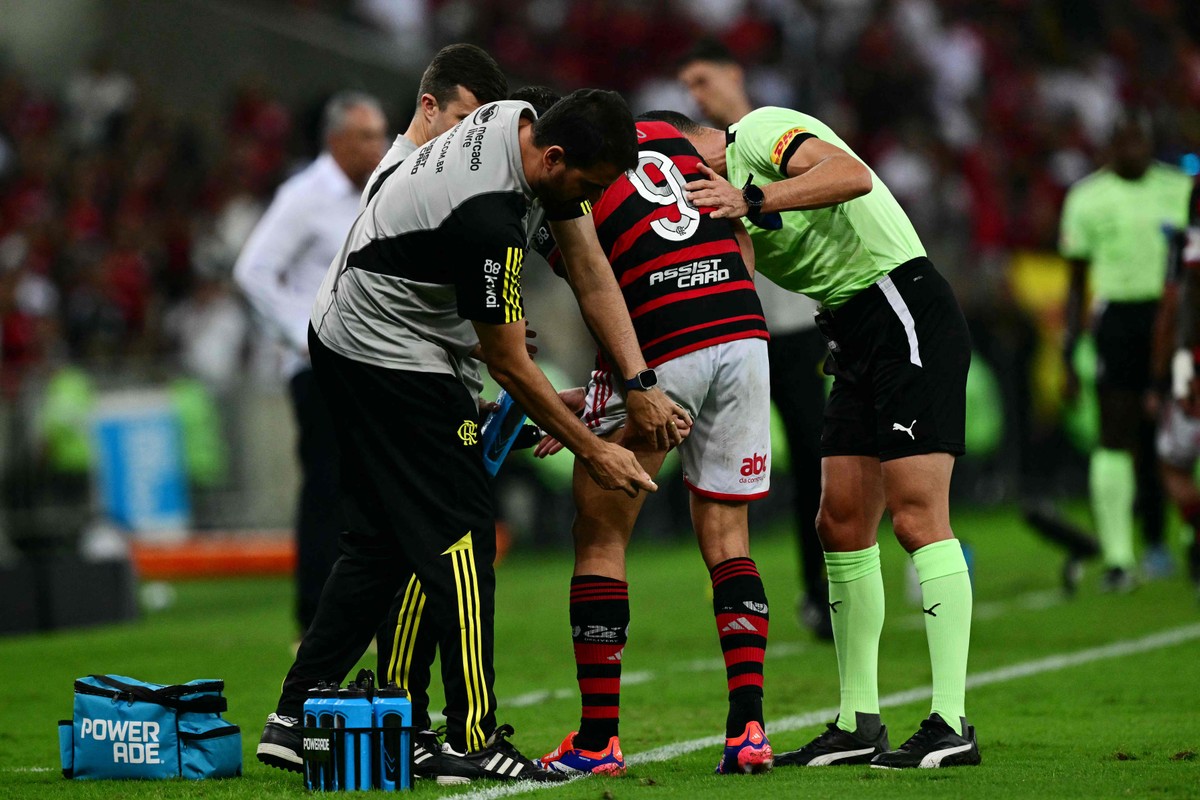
(401, 149)
(439, 243)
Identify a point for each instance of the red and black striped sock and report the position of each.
(740, 605)
(599, 627)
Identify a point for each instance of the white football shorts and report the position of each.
(727, 390)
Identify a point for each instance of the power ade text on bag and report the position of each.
(126, 728)
(133, 741)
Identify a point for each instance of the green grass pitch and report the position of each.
(1091, 697)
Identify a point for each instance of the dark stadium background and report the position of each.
(140, 140)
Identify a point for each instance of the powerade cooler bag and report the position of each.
(125, 728)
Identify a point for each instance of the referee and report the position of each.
(825, 226)
(430, 271)
(279, 271)
(1112, 230)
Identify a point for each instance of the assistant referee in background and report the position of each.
(1112, 232)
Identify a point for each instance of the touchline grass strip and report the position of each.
(1024, 669)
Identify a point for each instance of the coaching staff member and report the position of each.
(459, 79)
(279, 270)
(895, 418)
(432, 268)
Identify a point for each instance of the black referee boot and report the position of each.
(836, 747)
(935, 744)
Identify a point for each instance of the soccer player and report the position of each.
(1111, 230)
(1179, 331)
(895, 419)
(279, 270)
(687, 281)
(797, 351)
(430, 271)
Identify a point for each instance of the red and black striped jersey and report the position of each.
(680, 270)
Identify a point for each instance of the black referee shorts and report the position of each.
(1124, 334)
(901, 353)
(418, 510)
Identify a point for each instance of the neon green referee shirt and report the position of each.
(829, 254)
(1116, 225)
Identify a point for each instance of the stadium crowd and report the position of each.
(119, 222)
(121, 216)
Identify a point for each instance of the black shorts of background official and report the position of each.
(1124, 334)
(901, 353)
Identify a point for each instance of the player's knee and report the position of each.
(838, 527)
(917, 525)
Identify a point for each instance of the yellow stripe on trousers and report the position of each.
(408, 622)
(471, 632)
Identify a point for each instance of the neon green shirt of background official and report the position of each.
(829, 254)
(1116, 226)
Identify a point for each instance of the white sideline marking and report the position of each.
(29, 769)
(1031, 601)
(1024, 669)
(542, 695)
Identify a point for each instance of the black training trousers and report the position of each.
(417, 503)
(318, 512)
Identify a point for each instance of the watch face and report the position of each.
(646, 379)
(753, 196)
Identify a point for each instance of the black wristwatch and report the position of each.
(646, 379)
(753, 195)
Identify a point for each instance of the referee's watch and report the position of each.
(646, 379)
(754, 197)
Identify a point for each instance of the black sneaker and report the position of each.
(499, 760)
(427, 748)
(1072, 575)
(1117, 580)
(934, 745)
(431, 760)
(282, 743)
(836, 747)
